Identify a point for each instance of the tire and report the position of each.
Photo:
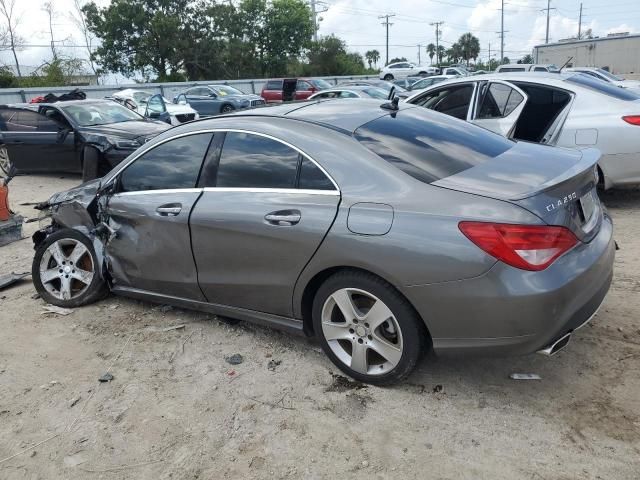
(401, 338)
(55, 266)
(423, 74)
(388, 77)
(227, 108)
(90, 163)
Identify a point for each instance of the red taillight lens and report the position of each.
(529, 247)
(632, 119)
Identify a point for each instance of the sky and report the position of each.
(357, 22)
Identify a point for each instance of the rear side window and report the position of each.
(254, 161)
(452, 100)
(312, 178)
(603, 87)
(174, 164)
(274, 85)
(499, 101)
(428, 146)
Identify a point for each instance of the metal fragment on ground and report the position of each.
(525, 376)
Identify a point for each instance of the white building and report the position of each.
(619, 52)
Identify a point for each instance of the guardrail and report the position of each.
(169, 90)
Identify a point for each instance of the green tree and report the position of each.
(441, 52)
(397, 59)
(431, 51)
(329, 56)
(526, 59)
(469, 47)
(454, 53)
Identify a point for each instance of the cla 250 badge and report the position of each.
(561, 201)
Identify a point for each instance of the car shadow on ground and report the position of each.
(623, 198)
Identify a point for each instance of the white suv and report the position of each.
(394, 71)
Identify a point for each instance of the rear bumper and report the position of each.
(512, 311)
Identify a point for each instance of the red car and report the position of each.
(289, 89)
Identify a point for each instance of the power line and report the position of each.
(387, 25)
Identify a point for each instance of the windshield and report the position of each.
(375, 92)
(224, 90)
(319, 83)
(99, 113)
(609, 75)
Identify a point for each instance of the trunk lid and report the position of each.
(557, 185)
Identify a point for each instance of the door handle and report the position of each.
(169, 210)
(283, 218)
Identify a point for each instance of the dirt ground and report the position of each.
(177, 410)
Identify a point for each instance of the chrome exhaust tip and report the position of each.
(556, 346)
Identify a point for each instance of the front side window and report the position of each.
(156, 104)
(303, 86)
(453, 101)
(170, 165)
(499, 101)
(20, 120)
(254, 161)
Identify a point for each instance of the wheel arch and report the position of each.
(312, 286)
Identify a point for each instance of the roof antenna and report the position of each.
(392, 105)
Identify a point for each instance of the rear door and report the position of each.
(151, 247)
(37, 143)
(498, 106)
(454, 100)
(264, 212)
(157, 109)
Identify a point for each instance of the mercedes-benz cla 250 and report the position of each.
(382, 230)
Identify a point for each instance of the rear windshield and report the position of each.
(603, 87)
(430, 146)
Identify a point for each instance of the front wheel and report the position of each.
(227, 109)
(388, 77)
(65, 270)
(367, 328)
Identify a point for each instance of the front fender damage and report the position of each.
(80, 209)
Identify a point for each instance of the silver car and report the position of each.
(564, 110)
(384, 231)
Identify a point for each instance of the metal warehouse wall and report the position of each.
(620, 54)
(169, 90)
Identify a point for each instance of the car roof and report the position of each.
(532, 77)
(356, 88)
(336, 114)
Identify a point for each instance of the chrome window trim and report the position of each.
(303, 191)
(160, 191)
(144, 150)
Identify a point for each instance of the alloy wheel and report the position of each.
(66, 269)
(362, 331)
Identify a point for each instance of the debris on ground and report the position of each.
(235, 359)
(343, 384)
(11, 278)
(57, 310)
(273, 364)
(166, 308)
(525, 376)
(74, 402)
(438, 388)
(107, 377)
(35, 296)
(231, 373)
(174, 327)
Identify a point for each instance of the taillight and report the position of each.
(529, 247)
(632, 119)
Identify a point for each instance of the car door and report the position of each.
(454, 100)
(150, 248)
(498, 106)
(264, 212)
(157, 109)
(37, 143)
(203, 100)
(303, 90)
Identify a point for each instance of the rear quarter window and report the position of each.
(603, 87)
(430, 146)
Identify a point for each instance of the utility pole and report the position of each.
(387, 25)
(315, 20)
(580, 23)
(419, 61)
(501, 32)
(437, 25)
(489, 62)
(548, 10)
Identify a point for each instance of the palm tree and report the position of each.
(369, 56)
(469, 47)
(431, 51)
(454, 53)
(441, 53)
(375, 56)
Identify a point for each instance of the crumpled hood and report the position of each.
(129, 130)
(177, 109)
(84, 193)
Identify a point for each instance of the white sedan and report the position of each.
(564, 110)
(155, 106)
(397, 70)
(605, 76)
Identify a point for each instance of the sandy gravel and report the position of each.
(177, 410)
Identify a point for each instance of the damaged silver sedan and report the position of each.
(384, 231)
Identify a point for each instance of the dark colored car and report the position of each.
(385, 230)
(87, 136)
(406, 82)
(210, 100)
(398, 91)
(290, 89)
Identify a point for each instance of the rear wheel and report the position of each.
(367, 328)
(90, 164)
(65, 270)
(226, 109)
(388, 77)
